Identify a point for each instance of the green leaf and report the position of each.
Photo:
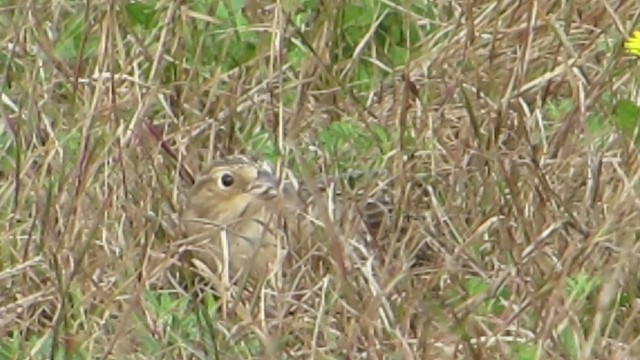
(526, 352)
(339, 136)
(495, 305)
(399, 55)
(264, 144)
(596, 124)
(558, 109)
(568, 340)
(381, 136)
(597, 129)
(392, 28)
(627, 116)
(230, 9)
(141, 14)
(475, 286)
(581, 286)
(67, 45)
(355, 15)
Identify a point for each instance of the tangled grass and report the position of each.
(505, 134)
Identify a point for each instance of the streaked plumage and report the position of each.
(228, 207)
(236, 203)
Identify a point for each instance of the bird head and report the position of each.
(231, 188)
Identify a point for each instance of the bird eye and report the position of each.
(226, 180)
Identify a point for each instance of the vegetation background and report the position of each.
(506, 133)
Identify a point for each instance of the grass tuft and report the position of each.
(504, 134)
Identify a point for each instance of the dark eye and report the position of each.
(226, 180)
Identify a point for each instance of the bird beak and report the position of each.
(266, 185)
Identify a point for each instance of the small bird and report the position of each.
(229, 208)
(234, 206)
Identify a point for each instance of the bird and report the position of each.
(228, 209)
(238, 210)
